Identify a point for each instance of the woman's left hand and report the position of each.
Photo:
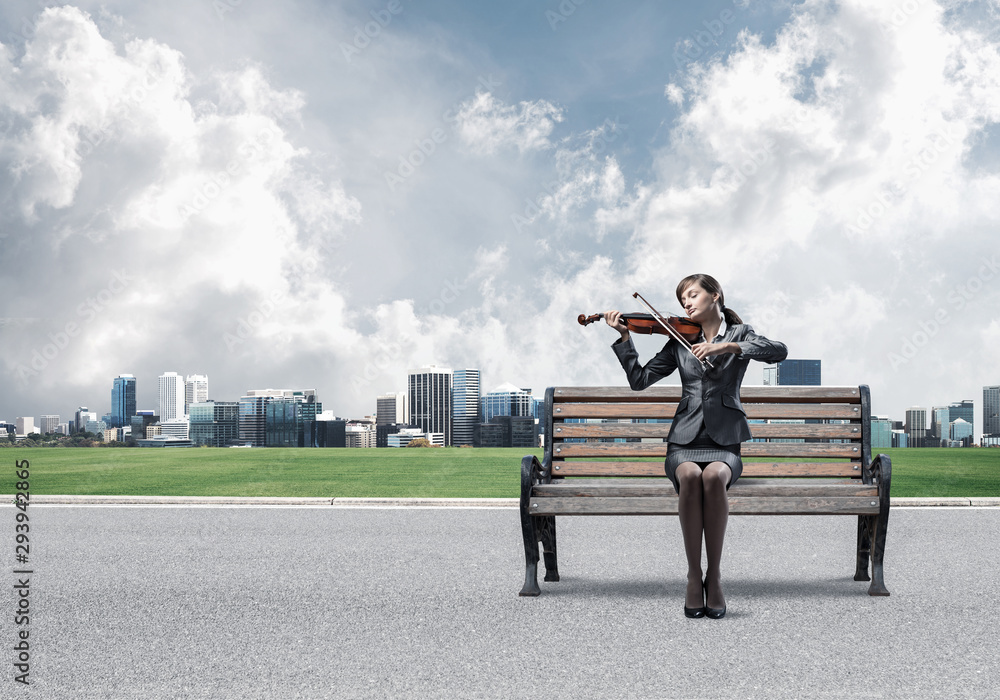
(703, 350)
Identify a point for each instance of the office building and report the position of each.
(407, 435)
(961, 433)
(915, 426)
(793, 373)
(286, 418)
(938, 431)
(253, 412)
(464, 405)
(360, 435)
(195, 390)
(392, 409)
(122, 401)
(326, 431)
(964, 410)
(170, 387)
(7, 430)
(142, 421)
(25, 425)
(48, 424)
(176, 427)
(429, 395)
(991, 411)
(81, 417)
(96, 427)
(507, 431)
(881, 432)
(214, 423)
(507, 400)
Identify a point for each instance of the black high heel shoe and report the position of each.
(694, 612)
(714, 613)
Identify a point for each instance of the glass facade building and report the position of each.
(991, 411)
(122, 400)
(286, 418)
(465, 389)
(794, 373)
(508, 400)
(214, 423)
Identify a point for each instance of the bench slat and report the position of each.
(666, 410)
(666, 392)
(771, 469)
(748, 449)
(661, 430)
(667, 505)
(744, 487)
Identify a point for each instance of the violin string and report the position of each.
(673, 333)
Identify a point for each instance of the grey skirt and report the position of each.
(702, 451)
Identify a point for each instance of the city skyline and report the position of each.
(988, 400)
(327, 194)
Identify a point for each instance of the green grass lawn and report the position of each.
(403, 473)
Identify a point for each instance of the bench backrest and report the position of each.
(615, 425)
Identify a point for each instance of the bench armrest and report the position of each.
(532, 472)
(879, 473)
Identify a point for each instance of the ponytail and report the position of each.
(732, 318)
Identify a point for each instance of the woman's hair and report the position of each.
(710, 285)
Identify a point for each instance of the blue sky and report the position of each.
(310, 195)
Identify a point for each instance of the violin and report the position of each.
(681, 329)
(647, 324)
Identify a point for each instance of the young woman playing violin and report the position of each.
(703, 454)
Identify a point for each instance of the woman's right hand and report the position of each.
(614, 319)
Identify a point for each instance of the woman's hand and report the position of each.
(614, 319)
(703, 350)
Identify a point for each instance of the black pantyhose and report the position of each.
(703, 507)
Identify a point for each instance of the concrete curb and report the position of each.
(979, 502)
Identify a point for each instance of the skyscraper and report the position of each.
(916, 426)
(392, 409)
(195, 390)
(464, 405)
(429, 390)
(991, 411)
(793, 373)
(122, 400)
(171, 396)
(48, 424)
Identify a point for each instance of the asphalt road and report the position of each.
(317, 602)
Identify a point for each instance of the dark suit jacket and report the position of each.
(714, 395)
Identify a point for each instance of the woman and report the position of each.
(703, 452)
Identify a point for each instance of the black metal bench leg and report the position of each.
(547, 528)
(879, 523)
(865, 523)
(530, 535)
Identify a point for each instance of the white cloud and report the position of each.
(487, 125)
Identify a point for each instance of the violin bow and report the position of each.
(672, 332)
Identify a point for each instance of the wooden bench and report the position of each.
(820, 467)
